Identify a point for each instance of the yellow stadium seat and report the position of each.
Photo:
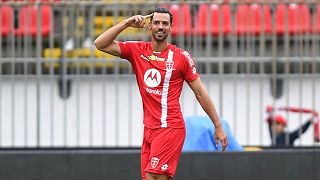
(56, 54)
(103, 23)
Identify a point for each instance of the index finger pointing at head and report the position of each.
(147, 16)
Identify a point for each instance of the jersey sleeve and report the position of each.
(189, 70)
(126, 47)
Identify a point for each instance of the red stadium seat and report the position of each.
(306, 18)
(241, 18)
(202, 19)
(298, 18)
(28, 20)
(182, 26)
(316, 23)
(256, 25)
(248, 19)
(39, 0)
(280, 18)
(215, 19)
(201, 27)
(6, 20)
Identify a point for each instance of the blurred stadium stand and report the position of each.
(28, 20)
(241, 48)
(201, 27)
(238, 21)
(249, 21)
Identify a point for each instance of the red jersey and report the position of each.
(160, 77)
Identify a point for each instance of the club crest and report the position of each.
(154, 162)
(169, 65)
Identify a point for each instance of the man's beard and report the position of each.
(161, 38)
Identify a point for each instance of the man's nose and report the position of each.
(160, 26)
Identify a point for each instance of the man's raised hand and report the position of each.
(138, 21)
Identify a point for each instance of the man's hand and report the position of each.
(219, 134)
(137, 21)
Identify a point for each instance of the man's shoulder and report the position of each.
(137, 46)
(180, 51)
(137, 43)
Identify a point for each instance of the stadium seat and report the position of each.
(201, 27)
(248, 19)
(28, 20)
(316, 23)
(215, 19)
(256, 25)
(306, 19)
(202, 19)
(33, 1)
(182, 26)
(280, 19)
(241, 18)
(6, 20)
(100, 23)
(298, 18)
(55, 54)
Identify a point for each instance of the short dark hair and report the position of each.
(162, 10)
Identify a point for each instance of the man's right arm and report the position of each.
(106, 41)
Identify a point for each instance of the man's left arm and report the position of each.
(208, 106)
(302, 129)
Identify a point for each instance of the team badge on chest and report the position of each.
(169, 65)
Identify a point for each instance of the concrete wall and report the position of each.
(125, 164)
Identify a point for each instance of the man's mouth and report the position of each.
(160, 32)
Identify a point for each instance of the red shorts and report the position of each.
(161, 149)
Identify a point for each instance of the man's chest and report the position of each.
(153, 69)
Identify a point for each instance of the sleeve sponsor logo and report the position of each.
(185, 53)
(194, 71)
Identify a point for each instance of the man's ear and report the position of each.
(171, 27)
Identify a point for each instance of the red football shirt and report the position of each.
(160, 77)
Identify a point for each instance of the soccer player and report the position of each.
(160, 68)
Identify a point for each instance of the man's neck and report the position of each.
(159, 46)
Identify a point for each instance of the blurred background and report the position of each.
(257, 58)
